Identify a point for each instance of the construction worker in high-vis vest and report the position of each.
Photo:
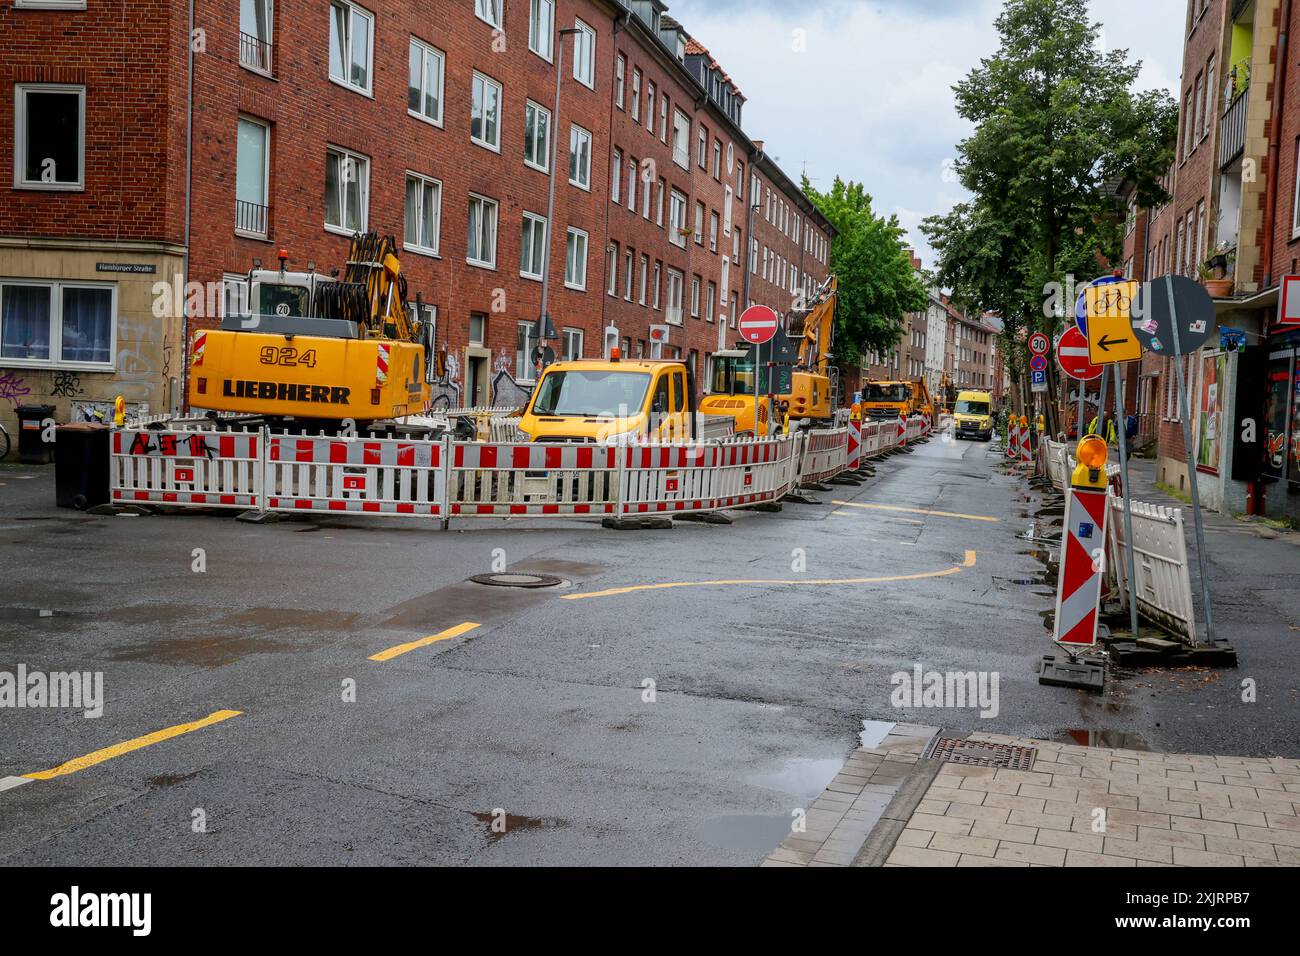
(1111, 437)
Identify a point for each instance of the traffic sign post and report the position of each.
(757, 325)
(1175, 317)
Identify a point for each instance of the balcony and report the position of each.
(252, 219)
(1232, 129)
(255, 53)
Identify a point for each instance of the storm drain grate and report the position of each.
(517, 580)
(978, 753)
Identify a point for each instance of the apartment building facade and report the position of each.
(435, 122)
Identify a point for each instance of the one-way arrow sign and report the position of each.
(1109, 309)
(1105, 342)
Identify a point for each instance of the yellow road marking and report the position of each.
(446, 635)
(914, 511)
(108, 753)
(614, 592)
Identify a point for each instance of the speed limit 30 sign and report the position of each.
(1038, 344)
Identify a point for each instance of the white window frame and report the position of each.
(636, 94)
(620, 80)
(485, 202)
(535, 221)
(428, 250)
(616, 176)
(266, 173)
(576, 133)
(487, 81)
(677, 203)
(20, 136)
(568, 335)
(573, 234)
(354, 10)
(682, 151)
(49, 4)
(673, 304)
(650, 107)
(486, 9)
(611, 268)
(56, 360)
(584, 61)
(364, 185)
(645, 276)
(534, 8)
(427, 49)
(525, 371)
(543, 166)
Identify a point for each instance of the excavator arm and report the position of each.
(815, 327)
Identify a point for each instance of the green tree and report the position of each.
(1057, 126)
(877, 284)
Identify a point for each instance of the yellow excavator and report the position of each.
(810, 397)
(316, 348)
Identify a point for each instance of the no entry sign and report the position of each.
(758, 324)
(1072, 356)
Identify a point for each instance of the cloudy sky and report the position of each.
(870, 98)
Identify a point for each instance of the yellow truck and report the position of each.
(594, 400)
(887, 400)
(973, 415)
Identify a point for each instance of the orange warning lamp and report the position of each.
(1091, 454)
(615, 354)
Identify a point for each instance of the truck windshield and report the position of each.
(972, 408)
(592, 393)
(733, 376)
(875, 392)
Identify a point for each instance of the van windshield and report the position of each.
(591, 393)
(968, 407)
(875, 392)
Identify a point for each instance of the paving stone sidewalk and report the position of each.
(1093, 806)
(1077, 806)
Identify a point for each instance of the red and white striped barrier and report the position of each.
(207, 468)
(1083, 558)
(1013, 438)
(540, 480)
(855, 444)
(685, 479)
(825, 455)
(1026, 442)
(361, 475)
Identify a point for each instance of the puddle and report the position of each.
(1112, 739)
(802, 777)
(205, 652)
(513, 822)
(749, 833)
(874, 732)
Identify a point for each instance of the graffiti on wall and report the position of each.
(446, 388)
(13, 387)
(66, 385)
(507, 393)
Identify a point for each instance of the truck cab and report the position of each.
(973, 415)
(594, 400)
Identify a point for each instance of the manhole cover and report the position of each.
(977, 753)
(517, 580)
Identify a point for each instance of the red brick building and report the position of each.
(430, 121)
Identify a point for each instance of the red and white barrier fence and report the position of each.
(194, 464)
(210, 469)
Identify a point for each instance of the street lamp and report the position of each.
(544, 328)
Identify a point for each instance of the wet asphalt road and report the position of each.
(760, 691)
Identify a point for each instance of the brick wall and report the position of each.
(127, 55)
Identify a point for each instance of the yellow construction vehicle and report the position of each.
(882, 401)
(594, 400)
(318, 348)
(811, 392)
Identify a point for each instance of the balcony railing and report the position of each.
(1232, 129)
(251, 218)
(255, 53)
